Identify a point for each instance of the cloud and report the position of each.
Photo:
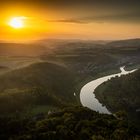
(74, 21)
(99, 11)
(121, 17)
(72, 3)
(85, 11)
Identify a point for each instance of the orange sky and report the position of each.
(75, 23)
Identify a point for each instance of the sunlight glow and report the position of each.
(16, 22)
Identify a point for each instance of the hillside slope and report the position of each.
(41, 83)
(122, 93)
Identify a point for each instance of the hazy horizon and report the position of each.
(64, 39)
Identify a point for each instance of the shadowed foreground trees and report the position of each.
(71, 123)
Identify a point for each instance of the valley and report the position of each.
(51, 78)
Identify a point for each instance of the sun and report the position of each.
(16, 22)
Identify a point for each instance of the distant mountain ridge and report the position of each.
(40, 47)
(125, 43)
(17, 49)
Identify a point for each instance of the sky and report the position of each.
(73, 19)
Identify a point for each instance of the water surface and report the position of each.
(87, 96)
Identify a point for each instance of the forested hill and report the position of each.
(122, 93)
(71, 123)
(38, 84)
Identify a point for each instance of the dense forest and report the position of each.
(70, 123)
(122, 93)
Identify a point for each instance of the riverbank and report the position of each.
(122, 94)
(87, 97)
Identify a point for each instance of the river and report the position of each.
(87, 96)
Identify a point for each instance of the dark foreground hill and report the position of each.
(72, 123)
(39, 84)
(122, 93)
